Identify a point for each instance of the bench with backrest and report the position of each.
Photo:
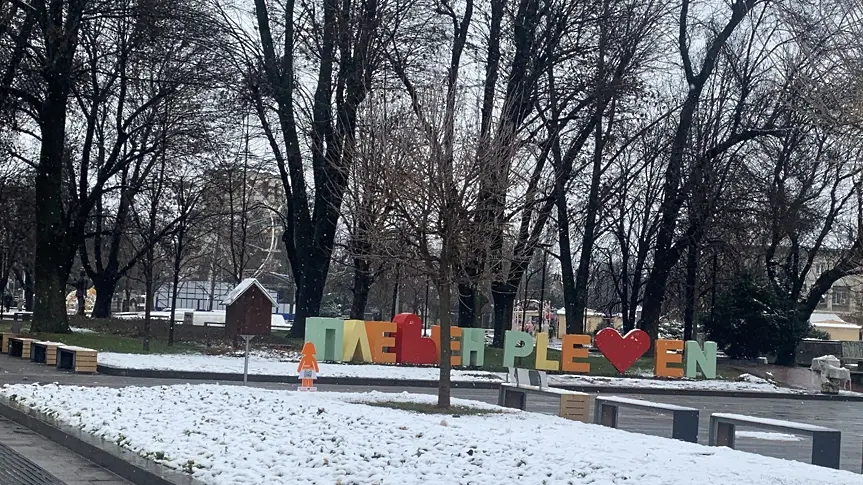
(825, 441)
(684, 420)
(43, 352)
(852, 353)
(521, 382)
(78, 359)
(20, 347)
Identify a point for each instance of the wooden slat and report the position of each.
(574, 407)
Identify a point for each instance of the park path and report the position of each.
(28, 458)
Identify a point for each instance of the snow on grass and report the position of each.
(760, 385)
(269, 363)
(82, 330)
(230, 435)
(265, 365)
(762, 435)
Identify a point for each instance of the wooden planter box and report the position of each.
(20, 347)
(4, 341)
(44, 352)
(78, 359)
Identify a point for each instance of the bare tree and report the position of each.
(434, 204)
(339, 44)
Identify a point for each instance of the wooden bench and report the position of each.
(571, 404)
(44, 352)
(78, 359)
(684, 424)
(20, 347)
(826, 442)
(5, 337)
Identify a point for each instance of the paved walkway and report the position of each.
(65, 466)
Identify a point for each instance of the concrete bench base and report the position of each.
(826, 442)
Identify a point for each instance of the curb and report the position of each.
(491, 385)
(110, 456)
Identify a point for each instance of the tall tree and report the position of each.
(696, 76)
(338, 43)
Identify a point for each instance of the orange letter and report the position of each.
(455, 345)
(569, 351)
(663, 358)
(381, 336)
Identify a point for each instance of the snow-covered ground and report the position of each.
(228, 435)
(267, 363)
(747, 382)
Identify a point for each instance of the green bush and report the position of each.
(817, 334)
(749, 320)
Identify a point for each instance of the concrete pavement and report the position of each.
(50, 460)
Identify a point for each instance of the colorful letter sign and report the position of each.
(411, 346)
(668, 352)
(402, 341)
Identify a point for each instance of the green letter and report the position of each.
(706, 359)
(328, 335)
(511, 349)
(472, 347)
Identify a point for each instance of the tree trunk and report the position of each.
(503, 296)
(467, 305)
(105, 289)
(395, 310)
(174, 292)
(574, 319)
(362, 285)
(52, 258)
(691, 282)
(148, 299)
(28, 291)
(444, 391)
(54, 253)
(310, 290)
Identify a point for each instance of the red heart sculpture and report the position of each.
(622, 352)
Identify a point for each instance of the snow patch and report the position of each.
(232, 435)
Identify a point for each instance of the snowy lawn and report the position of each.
(747, 382)
(229, 435)
(266, 363)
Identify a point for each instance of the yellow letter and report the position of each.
(542, 362)
(356, 341)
